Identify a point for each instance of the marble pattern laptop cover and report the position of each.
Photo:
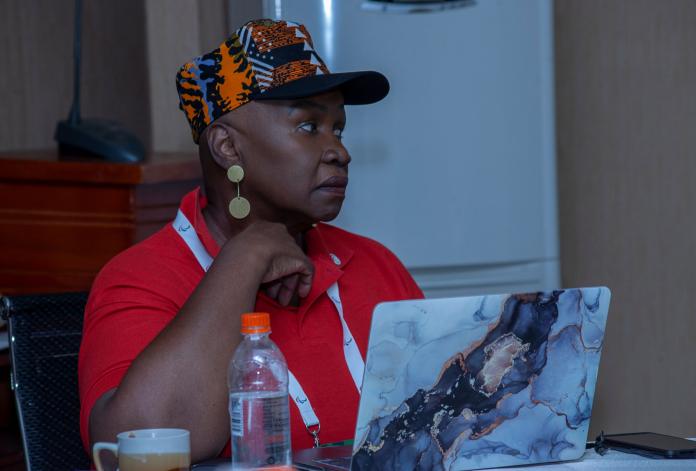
(479, 382)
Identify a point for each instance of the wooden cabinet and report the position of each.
(62, 219)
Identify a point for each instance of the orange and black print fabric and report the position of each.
(261, 55)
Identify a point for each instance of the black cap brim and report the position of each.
(358, 88)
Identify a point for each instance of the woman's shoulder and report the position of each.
(160, 262)
(374, 261)
(152, 278)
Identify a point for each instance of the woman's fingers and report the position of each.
(284, 288)
(288, 287)
(272, 289)
(286, 266)
(288, 271)
(304, 283)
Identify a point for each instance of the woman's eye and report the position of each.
(309, 127)
(338, 132)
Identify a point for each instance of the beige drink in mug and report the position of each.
(156, 449)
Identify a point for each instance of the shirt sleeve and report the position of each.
(408, 284)
(399, 284)
(124, 313)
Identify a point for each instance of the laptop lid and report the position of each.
(480, 381)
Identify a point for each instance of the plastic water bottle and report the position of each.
(257, 378)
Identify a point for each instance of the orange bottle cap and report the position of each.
(256, 323)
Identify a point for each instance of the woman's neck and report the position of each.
(218, 223)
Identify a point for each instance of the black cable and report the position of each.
(74, 116)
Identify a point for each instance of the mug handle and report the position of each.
(99, 446)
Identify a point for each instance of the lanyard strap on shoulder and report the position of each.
(185, 229)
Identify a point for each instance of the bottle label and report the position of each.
(236, 419)
(261, 412)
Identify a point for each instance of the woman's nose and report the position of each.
(336, 155)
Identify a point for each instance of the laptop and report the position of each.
(475, 382)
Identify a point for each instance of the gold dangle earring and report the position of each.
(239, 207)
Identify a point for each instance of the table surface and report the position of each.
(613, 459)
(591, 460)
(48, 165)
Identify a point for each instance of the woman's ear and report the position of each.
(221, 144)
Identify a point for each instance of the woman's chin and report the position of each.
(329, 215)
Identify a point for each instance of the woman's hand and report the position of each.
(284, 269)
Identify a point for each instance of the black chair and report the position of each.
(45, 333)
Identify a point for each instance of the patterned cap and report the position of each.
(265, 60)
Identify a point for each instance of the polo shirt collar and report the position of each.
(330, 260)
(192, 205)
(333, 253)
(329, 257)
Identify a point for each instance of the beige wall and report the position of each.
(177, 30)
(36, 44)
(626, 133)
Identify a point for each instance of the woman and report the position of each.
(163, 317)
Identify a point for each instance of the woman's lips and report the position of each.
(336, 185)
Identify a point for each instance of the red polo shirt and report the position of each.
(141, 290)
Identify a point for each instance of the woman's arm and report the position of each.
(179, 380)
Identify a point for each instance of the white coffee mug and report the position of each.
(155, 449)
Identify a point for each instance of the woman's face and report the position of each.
(295, 165)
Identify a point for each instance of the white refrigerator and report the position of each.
(455, 170)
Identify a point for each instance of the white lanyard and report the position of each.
(354, 360)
